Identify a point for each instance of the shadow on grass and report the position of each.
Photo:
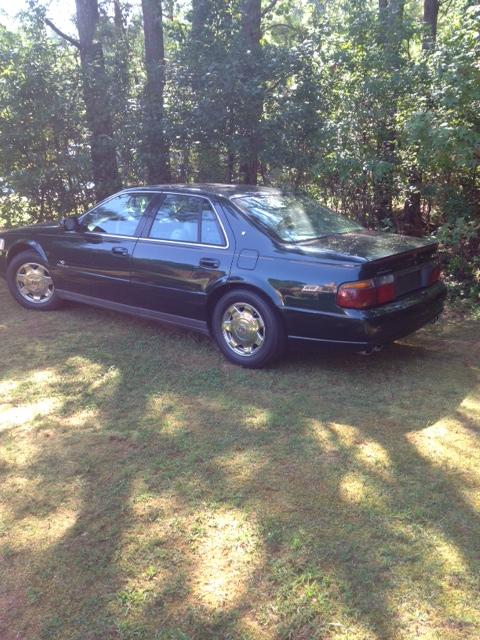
(212, 502)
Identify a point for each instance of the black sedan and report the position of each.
(254, 267)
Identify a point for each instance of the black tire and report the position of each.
(48, 299)
(253, 311)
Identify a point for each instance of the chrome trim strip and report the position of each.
(107, 235)
(328, 341)
(184, 243)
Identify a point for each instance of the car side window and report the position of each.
(210, 232)
(119, 215)
(184, 218)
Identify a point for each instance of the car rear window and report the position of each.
(294, 218)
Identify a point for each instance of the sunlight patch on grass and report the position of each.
(324, 436)
(347, 434)
(257, 418)
(352, 488)
(227, 554)
(447, 552)
(25, 415)
(450, 444)
(83, 418)
(373, 455)
(95, 375)
(162, 413)
(31, 383)
(470, 407)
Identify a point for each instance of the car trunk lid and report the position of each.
(410, 260)
(366, 246)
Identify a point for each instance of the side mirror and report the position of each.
(70, 224)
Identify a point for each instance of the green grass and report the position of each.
(151, 491)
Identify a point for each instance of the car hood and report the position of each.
(363, 246)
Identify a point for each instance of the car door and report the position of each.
(184, 250)
(95, 259)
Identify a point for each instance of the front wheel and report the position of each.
(247, 329)
(30, 282)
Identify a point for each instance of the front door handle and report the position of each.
(121, 251)
(209, 263)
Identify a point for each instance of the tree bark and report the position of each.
(155, 145)
(203, 12)
(412, 210)
(390, 14)
(253, 99)
(121, 90)
(430, 19)
(103, 153)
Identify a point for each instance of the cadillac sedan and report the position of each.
(254, 267)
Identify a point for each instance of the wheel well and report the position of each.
(19, 248)
(221, 291)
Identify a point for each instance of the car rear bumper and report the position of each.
(364, 329)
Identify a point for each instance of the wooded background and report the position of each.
(372, 106)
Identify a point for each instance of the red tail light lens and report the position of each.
(357, 295)
(366, 293)
(386, 289)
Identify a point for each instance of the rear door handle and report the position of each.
(121, 251)
(209, 263)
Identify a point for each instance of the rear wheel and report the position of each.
(247, 329)
(30, 282)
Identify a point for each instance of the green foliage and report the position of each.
(339, 99)
(16, 210)
(44, 155)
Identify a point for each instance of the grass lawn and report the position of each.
(151, 491)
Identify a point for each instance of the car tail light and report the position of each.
(435, 274)
(366, 293)
(357, 295)
(386, 289)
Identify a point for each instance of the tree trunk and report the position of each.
(155, 145)
(103, 153)
(412, 210)
(203, 12)
(390, 38)
(253, 86)
(430, 19)
(121, 91)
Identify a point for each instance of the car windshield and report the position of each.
(294, 218)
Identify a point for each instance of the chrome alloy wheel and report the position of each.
(243, 329)
(34, 283)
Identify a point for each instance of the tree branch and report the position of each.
(269, 7)
(66, 37)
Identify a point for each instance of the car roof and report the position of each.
(208, 189)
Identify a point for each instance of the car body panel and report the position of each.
(362, 246)
(171, 278)
(86, 263)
